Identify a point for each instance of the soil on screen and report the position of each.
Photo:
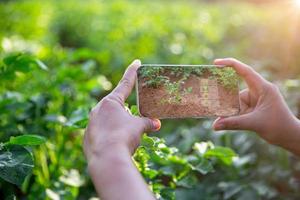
(187, 92)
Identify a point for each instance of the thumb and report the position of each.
(150, 125)
(241, 122)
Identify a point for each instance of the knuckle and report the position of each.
(105, 102)
(232, 60)
(148, 125)
(249, 69)
(246, 74)
(273, 87)
(233, 124)
(144, 124)
(267, 86)
(116, 98)
(125, 82)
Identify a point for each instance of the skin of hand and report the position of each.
(111, 138)
(263, 110)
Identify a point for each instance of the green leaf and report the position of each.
(168, 193)
(16, 162)
(151, 173)
(168, 170)
(21, 63)
(78, 119)
(147, 141)
(187, 182)
(134, 110)
(224, 154)
(27, 140)
(204, 166)
(8, 60)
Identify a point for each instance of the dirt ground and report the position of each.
(208, 98)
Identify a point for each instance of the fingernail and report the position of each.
(219, 126)
(137, 62)
(156, 124)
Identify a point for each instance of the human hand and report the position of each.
(111, 138)
(263, 110)
(110, 126)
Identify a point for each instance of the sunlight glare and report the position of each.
(297, 3)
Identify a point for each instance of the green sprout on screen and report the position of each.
(226, 76)
(155, 76)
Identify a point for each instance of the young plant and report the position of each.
(16, 160)
(226, 76)
(166, 168)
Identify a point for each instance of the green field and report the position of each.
(59, 58)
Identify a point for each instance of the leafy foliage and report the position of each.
(26, 140)
(160, 76)
(16, 162)
(19, 63)
(227, 77)
(165, 168)
(86, 55)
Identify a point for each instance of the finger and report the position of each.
(244, 100)
(126, 84)
(244, 95)
(150, 125)
(242, 122)
(252, 78)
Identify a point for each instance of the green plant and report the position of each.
(166, 168)
(155, 76)
(16, 159)
(226, 76)
(18, 62)
(86, 55)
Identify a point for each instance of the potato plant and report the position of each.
(86, 55)
(153, 75)
(164, 167)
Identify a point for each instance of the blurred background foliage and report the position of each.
(87, 46)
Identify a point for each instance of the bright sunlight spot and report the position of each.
(297, 3)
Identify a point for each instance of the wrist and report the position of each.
(113, 171)
(114, 156)
(109, 169)
(292, 136)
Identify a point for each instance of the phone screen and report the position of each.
(187, 91)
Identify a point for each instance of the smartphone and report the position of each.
(187, 91)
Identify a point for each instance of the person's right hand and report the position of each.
(263, 110)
